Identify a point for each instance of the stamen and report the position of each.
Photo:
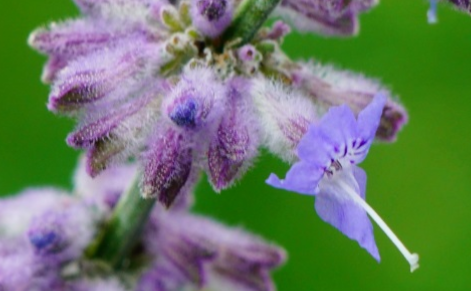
(336, 165)
(412, 258)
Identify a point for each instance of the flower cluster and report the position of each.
(153, 83)
(177, 88)
(41, 249)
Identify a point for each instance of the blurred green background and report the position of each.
(421, 185)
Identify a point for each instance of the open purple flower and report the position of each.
(329, 153)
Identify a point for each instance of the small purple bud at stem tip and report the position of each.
(247, 53)
(279, 30)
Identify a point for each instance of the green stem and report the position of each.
(249, 17)
(124, 228)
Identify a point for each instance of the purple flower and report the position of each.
(47, 233)
(194, 104)
(279, 30)
(284, 114)
(211, 17)
(236, 140)
(329, 154)
(463, 5)
(52, 229)
(14, 222)
(332, 17)
(247, 53)
(167, 166)
(194, 251)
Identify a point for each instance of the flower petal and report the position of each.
(167, 166)
(335, 207)
(369, 118)
(327, 141)
(235, 141)
(302, 178)
(368, 122)
(360, 176)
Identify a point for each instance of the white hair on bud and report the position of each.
(284, 116)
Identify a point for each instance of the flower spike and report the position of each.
(174, 88)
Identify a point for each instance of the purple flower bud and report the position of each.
(113, 137)
(247, 53)
(62, 234)
(85, 81)
(211, 17)
(167, 165)
(187, 254)
(212, 256)
(284, 114)
(17, 212)
(236, 140)
(336, 17)
(47, 234)
(102, 128)
(279, 30)
(52, 67)
(333, 87)
(194, 104)
(72, 38)
(58, 228)
(130, 13)
(250, 59)
(246, 264)
(103, 154)
(161, 277)
(463, 5)
(392, 121)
